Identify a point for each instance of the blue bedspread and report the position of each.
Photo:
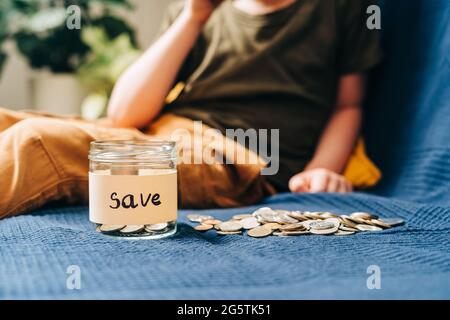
(414, 259)
(407, 130)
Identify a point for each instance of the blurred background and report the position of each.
(49, 64)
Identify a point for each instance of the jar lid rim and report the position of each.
(138, 143)
(150, 150)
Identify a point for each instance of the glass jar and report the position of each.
(133, 188)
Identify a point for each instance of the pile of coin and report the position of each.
(134, 230)
(266, 221)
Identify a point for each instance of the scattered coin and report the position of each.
(335, 221)
(263, 210)
(312, 215)
(321, 225)
(241, 216)
(110, 228)
(156, 227)
(194, 217)
(327, 215)
(224, 233)
(292, 227)
(294, 233)
(212, 221)
(331, 230)
(283, 223)
(363, 215)
(378, 223)
(392, 221)
(347, 222)
(344, 233)
(282, 216)
(249, 223)
(203, 227)
(230, 226)
(198, 217)
(365, 227)
(265, 215)
(280, 234)
(259, 232)
(298, 215)
(132, 228)
(344, 228)
(272, 225)
(356, 220)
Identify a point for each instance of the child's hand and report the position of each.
(319, 180)
(200, 10)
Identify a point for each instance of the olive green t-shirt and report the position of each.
(275, 71)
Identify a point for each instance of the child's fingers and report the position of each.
(319, 182)
(298, 184)
(333, 184)
(343, 187)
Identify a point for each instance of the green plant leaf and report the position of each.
(45, 20)
(114, 27)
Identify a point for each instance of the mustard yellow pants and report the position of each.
(43, 158)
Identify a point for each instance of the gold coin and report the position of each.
(347, 222)
(365, 227)
(327, 215)
(272, 225)
(203, 227)
(259, 232)
(132, 228)
(212, 221)
(110, 227)
(224, 233)
(292, 227)
(312, 215)
(298, 215)
(354, 220)
(230, 226)
(156, 227)
(295, 233)
(345, 228)
(241, 216)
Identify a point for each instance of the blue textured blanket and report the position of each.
(407, 130)
(413, 259)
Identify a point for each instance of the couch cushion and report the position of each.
(407, 123)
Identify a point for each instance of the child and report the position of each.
(293, 65)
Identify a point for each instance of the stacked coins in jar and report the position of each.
(133, 188)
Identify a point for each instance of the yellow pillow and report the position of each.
(360, 170)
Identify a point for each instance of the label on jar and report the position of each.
(133, 199)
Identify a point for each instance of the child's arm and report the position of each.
(140, 92)
(322, 174)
